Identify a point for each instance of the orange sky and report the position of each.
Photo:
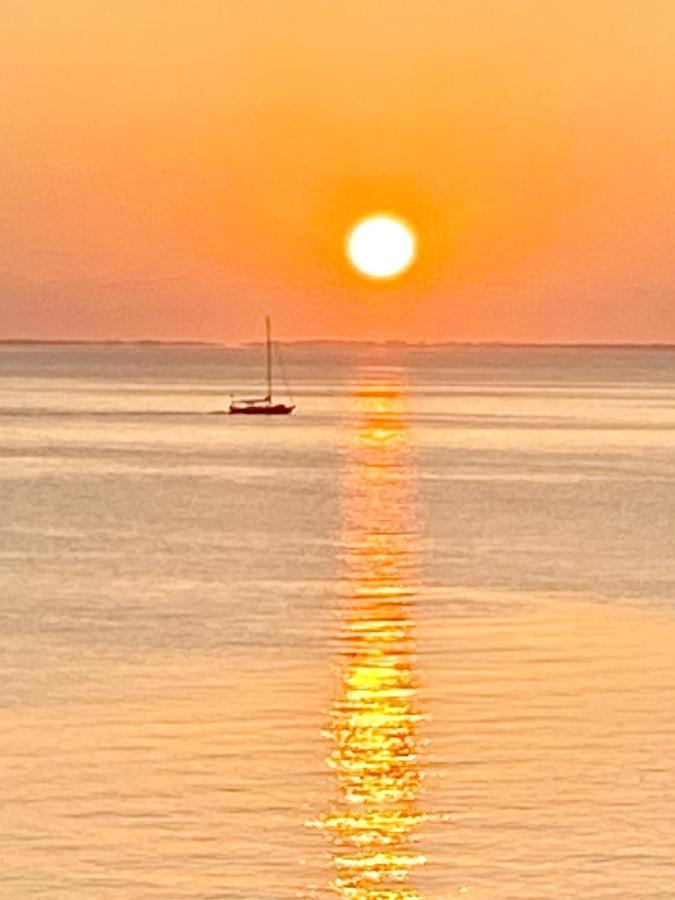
(174, 169)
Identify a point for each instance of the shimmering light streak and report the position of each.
(373, 722)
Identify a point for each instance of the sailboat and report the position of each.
(262, 406)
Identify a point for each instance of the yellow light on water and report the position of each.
(374, 719)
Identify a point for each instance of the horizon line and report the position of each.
(337, 342)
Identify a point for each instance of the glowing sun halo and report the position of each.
(381, 246)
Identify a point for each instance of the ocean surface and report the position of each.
(415, 641)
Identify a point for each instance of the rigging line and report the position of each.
(280, 360)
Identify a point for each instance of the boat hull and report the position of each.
(274, 409)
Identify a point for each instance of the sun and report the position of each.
(381, 246)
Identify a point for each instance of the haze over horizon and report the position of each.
(171, 174)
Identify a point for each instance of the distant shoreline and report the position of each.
(337, 344)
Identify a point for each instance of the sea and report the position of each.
(414, 642)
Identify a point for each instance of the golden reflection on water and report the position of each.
(373, 722)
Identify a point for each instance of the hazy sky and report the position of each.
(174, 169)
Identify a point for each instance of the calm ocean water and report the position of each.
(415, 641)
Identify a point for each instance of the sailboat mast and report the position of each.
(269, 357)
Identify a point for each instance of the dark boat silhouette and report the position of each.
(263, 406)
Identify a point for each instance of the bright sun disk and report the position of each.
(381, 246)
